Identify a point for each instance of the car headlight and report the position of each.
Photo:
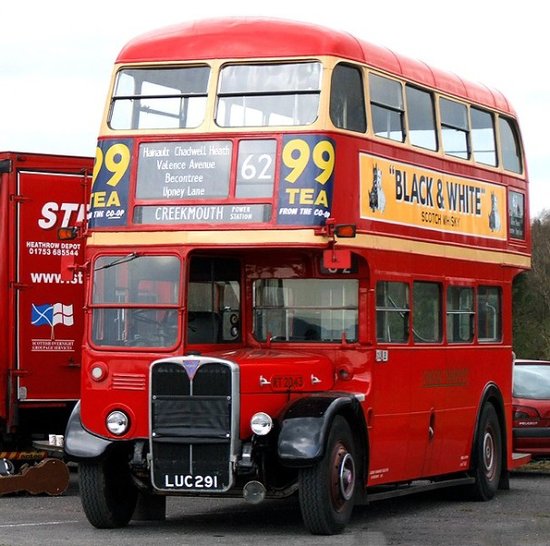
(261, 423)
(117, 422)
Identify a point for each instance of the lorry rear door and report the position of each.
(49, 310)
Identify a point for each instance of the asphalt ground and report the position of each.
(520, 516)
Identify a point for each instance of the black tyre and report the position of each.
(107, 493)
(487, 455)
(327, 489)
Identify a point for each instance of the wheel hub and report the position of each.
(343, 476)
(489, 455)
(347, 476)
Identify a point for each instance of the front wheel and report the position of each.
(487, 455)
(107, 493)
(327, 489)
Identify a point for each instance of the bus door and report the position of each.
(213, 301)
(427, 368)
(452, 380)
(391, 379)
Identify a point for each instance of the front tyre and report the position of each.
(107, 493)
(327, 489)
(487, 455)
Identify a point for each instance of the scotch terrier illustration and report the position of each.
(377, 199)
(494, 215)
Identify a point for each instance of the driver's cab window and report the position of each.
(135, 300)
(213, 301)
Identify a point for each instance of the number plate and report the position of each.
(188, 481)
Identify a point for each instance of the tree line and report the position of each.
(531, 297)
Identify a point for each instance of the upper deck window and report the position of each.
(509, 142)
(386, 97)
(454, 128)
(159, 98)
(483, 137)
(265, 95)
(420, 114)
(347, 103)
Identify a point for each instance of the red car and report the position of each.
(531, 407)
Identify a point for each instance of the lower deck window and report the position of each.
(489, 314)
(392, 312)
(299, 310)
(426, 312)
(460, 314)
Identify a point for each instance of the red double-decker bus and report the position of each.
(301, 249)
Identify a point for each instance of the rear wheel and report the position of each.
(487, 455)
(107, 493)
(327, 489)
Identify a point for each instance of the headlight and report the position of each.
(261, 423)
(117, 422)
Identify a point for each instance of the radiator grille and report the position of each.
(193, 411)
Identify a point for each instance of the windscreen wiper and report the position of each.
(128, 258)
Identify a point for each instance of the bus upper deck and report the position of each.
(264, 134)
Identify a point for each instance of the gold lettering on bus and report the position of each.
(306, 196)
(101, 199)
(452, 377)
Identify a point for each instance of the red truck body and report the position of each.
(41, 311)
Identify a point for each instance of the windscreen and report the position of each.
(135, 301)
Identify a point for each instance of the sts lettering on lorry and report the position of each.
(41, 309)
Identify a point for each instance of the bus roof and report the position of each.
(237, 38)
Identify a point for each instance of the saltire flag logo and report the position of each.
(51, 314)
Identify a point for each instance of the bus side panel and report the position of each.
(49, 309)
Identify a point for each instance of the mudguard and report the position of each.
(305, 426)
(81, 444)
